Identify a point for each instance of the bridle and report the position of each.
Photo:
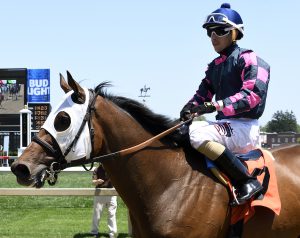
(62, 163)
(57, 167)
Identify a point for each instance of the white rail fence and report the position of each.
(58, 192)
(72, 169)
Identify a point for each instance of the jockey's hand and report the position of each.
(207, 107)
(185, 113)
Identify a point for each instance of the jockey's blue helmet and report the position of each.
(225, 16)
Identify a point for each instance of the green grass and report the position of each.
(53, 216)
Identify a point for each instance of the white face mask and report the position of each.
(64, 138)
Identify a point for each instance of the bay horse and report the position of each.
(166, 186)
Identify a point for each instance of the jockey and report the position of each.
(238, 80)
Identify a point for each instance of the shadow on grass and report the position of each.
(100, 235)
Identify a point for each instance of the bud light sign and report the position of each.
(38, 85)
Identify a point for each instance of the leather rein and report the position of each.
(57, 167)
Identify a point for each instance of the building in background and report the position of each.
(22, 88)
(271, 140)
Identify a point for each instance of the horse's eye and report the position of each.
(62, 121)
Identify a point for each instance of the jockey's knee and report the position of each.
(196, 141)
(197, 134)
(203, 138)
(211, 149)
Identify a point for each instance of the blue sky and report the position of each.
(158, 43)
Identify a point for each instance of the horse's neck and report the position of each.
(140, 169)
(156, 176)
(120, 130)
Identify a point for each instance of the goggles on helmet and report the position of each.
(216, 18)
(221, 19)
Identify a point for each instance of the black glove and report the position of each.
(185, 113)
(207, 107)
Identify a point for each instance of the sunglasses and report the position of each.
(219, 31)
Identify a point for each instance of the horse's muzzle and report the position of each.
(20, 170)
(25, 177)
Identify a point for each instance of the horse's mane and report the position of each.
(152, 122)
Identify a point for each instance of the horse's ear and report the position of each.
(64, 85)
(79, 95)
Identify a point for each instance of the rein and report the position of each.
(62, 163)
(127, 151)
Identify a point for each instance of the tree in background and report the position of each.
(282, 122)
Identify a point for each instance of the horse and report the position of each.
(1, 95)
(14, 90)
(165, 185)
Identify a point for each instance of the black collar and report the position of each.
(229, 49)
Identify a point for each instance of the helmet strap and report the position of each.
(236, 26)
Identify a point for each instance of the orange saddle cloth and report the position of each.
(271, 197)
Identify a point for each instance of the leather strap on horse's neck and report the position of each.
(127, 151)
(57, 152)
(87, 118)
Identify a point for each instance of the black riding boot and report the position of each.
(247, 186)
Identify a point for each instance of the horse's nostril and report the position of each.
(21, 171)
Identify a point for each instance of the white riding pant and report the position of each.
(238, 135)
(101, 202)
